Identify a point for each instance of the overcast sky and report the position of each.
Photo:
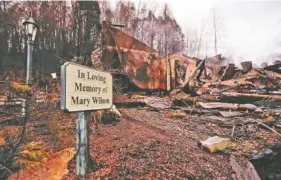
(251, 29)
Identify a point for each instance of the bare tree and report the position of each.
(215, 25)
(191, 36)
(206, 48)
(200, 40)
(195, 43)
(218, 30)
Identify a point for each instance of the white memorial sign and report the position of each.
(84, 88)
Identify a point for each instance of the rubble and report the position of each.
(232, 107)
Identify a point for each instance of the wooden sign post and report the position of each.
(84, 89)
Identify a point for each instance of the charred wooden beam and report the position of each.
(229, 72)
(185, 83)
(231, 106)
(252, 96)
(246, 66)
(274, 68)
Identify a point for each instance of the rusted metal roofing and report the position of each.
(141, 63)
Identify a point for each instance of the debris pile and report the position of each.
(237, 112)
(210, 100)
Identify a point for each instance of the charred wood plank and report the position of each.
(230, 113)
(252, 96)
(200, 111)
(129, 104)
(231, 106)
(274, 68)
(185, 83)
(228, 73)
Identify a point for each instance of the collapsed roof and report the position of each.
(144, 66)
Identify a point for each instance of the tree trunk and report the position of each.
(215, 30)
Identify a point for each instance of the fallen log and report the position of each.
(254, 96)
